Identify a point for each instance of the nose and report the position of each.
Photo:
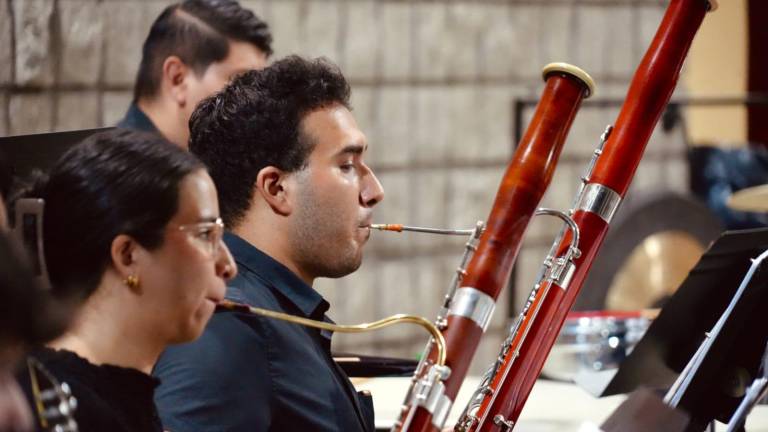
(372, 191)
(225, 264)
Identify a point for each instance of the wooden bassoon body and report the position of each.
(498, 403)
(522, 187)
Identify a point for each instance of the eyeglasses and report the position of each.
(209, 234)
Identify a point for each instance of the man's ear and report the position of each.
(275, 187)
(175, 78)
(125, 252)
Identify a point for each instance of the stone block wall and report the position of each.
(433, 88)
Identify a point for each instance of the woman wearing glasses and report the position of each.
(131, 225)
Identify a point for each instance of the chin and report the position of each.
(192, 332)
(341, 269)
(352, 266)
(196, 325)
(195, 334)
(184, 336)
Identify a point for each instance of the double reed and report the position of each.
(498, 403)
(469, 310)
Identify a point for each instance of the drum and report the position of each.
(594, 341)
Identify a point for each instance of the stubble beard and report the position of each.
(321, 243)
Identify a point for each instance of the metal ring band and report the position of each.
(599, 200)
(473, 304)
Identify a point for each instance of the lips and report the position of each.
(366, 221)
(214, 300)
(219, 296)
(364, 230)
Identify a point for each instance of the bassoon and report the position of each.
(467, 312)
(497, 404)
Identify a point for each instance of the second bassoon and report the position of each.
(499, 401)
(468, 311)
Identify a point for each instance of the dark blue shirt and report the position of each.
(135, 119)
(248, 373)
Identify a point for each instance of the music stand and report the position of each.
(40, 151)
(677, 332)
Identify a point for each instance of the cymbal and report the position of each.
(753, 199)
(653, 271)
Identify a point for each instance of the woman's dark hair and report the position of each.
(255, 122)
(198, 32)
(114, 182)
(28, 314)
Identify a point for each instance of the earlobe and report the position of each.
(271, 186)
(123, 252)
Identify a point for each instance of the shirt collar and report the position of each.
(309, 301)
(136, 119)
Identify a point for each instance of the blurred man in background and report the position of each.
(193, 50)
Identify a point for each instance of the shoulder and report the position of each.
(251, 288)
(222, 376)
(231, 353)
(228, 341)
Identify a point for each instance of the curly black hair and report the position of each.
(255, 122)
(197, 31)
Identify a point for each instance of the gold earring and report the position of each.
(132, 281)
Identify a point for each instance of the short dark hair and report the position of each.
(255, 122)
(197, 31)
(114, 182)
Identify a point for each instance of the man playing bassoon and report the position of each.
(296, 194)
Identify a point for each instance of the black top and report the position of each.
(250, 374)
(136, 119)
(109, 398)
